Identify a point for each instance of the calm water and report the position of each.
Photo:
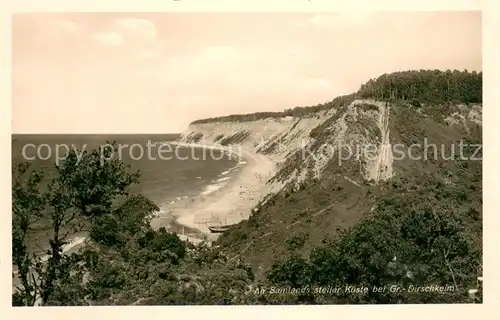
(167, 182)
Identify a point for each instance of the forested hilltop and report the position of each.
(431, 86)
(333, 229)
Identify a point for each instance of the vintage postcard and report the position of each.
(245, 158)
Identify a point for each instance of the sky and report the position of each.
(157, 72)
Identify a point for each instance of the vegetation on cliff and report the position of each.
(417, 86)
(433, 86)
(294, 112)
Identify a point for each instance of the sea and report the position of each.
(170, 178)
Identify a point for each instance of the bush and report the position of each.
(297, 241)
(293, 272)
(106, 231)
(163, 241)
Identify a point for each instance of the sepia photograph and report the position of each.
(213, 158)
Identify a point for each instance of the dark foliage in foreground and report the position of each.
(410, 241)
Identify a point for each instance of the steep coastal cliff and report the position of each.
(356, 132)
(349, 167)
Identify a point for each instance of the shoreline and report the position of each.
(230, 150)
(239, 195)
(234, 201)
(230, 204)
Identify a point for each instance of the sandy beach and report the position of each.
(234, 202)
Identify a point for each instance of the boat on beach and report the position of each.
(219, 229)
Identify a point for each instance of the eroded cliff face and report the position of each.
(357, 132)
(275, 137)
(333, 165)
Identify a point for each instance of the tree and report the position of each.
(426, 85)
(82, 190)
(130, 218)
(27, 209)
(96, 179)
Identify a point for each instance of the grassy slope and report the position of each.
(271, 233)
